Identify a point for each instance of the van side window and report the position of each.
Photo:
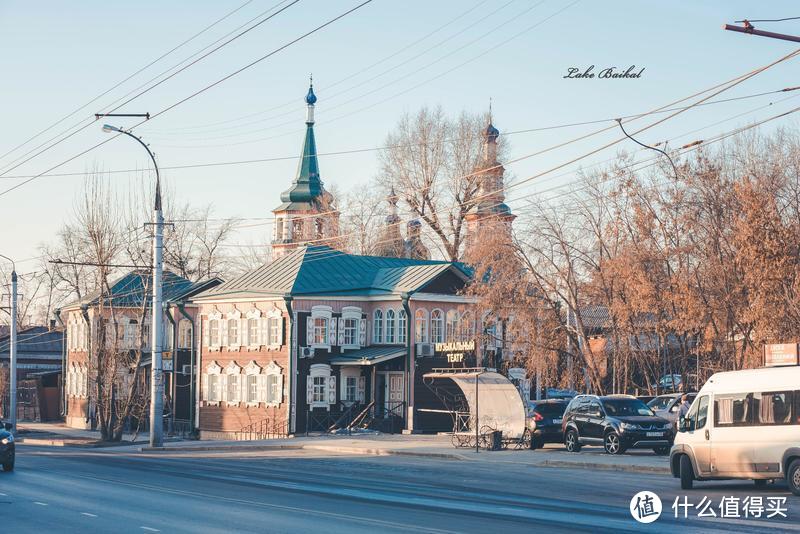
(702, 412)
(773, 408)
(733, 410)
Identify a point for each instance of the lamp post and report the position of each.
(477, 426)
(156, 374)
(12, 351)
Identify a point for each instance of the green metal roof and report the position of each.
(321, 270)
(368, 356)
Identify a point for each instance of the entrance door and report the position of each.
(394, 394)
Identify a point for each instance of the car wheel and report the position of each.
(661, 451)
(686, 472)
(612, 443)
(571, 441)
(8, 466)
(793, 477)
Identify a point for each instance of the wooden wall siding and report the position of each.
(224, 418)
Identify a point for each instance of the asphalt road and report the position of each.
(71, 490)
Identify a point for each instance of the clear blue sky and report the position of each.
(58, 55)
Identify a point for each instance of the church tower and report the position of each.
(490, 209)
(390, 242)
(307, 212)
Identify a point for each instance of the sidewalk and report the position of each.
(421, 446)
(435, 447)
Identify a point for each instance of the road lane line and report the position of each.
(150, 529)
(40, 503)
(87, 514)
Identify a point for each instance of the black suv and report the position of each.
(546, 416)
(618, 422)
(6, 447)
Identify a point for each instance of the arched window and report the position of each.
(213, 333)
(185, 334)
(390, 326)
(421, 326)
(466, 329)
(377, 327)
(437, 326)
(402, 327)
(451, 334)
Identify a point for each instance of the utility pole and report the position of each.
(749, 28)
(12, 371)
(157, 312)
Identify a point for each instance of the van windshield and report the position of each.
(623, 407)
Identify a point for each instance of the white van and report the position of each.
(742, 424)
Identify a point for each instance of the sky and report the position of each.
(370, 68)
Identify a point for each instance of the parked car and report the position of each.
(7, 452)
(669, 383)
(617, 422)
(546, 416)
(646, 398)
(667, 406)
(745, 425)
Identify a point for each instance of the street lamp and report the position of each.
(12, 372)
(156, 374)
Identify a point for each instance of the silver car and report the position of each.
(667, 406)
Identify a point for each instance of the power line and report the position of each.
(144, 91)
(127, 79)
(767, 20)
(196, 93)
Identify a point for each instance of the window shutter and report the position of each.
(361, 386)
(362, 332)
(331, 390)
(341, 330)
(205, 387)
(261, 383)
(223, 332)
(309, 331)
(309, 390)
(332, 331)
(242, 332)
(223, 387)
(263, 326)
(282, 331)
(280, 388)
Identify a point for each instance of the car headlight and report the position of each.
(666, 426)
(6, 441)
(628, 426)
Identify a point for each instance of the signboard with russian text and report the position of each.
(778, 354)
(457, 353)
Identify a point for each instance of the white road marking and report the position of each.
(40, 503)
(150, 529)
(87, 514)
(3, 495)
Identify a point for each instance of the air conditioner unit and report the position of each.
(186, 370)
(306, 352)
(424, 350)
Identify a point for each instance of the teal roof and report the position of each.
(368, 356)
(321, 270)
(133, 289)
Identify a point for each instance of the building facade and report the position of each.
(317, 338)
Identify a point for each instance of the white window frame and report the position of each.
(351, 313)
(185, 333)
(377, 327)
(452, 325)
(215, 341)
(421, 319)
(390, 334)
(274, 329)
(252, 371)
(233, 384)
(438, 334)
(213, 370)
(324, 313)
(320, 371)
(402, 327)
(466, 331)
(346, 374)
(234, 318)
(254, 338)
(273, 384)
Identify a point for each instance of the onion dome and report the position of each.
(491, 132)
(311, 98)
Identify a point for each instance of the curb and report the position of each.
(651, 469)
(221, 448)
(76, 443)
(384, 452)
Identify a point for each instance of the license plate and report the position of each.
(556, 421)
(654, 434)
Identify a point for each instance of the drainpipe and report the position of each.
(63, 410)
(180, 305)
(405, 297)
(291, 368)
(85, 315)
(171, 319)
